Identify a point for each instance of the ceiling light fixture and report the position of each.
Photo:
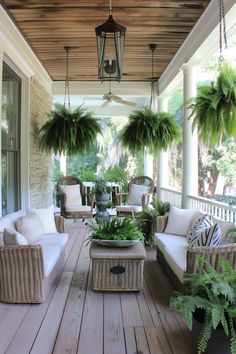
(110, 45)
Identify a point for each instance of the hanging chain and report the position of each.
(67, 84)
(110, 9)
(222, 30)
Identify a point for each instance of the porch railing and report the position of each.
(219, 210)
(172, 196)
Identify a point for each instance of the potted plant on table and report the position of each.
(115, 231)
(210, 308)
(102, 193)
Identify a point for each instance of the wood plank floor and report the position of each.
(75, 319)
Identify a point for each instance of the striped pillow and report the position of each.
(209, 236)
(200, 224)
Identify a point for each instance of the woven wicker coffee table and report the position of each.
(117, 268)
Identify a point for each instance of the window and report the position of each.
(10, 140)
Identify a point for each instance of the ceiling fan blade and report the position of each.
(105, 104)
(128, 103)
(118, 99)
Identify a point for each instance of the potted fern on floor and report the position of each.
(210, 308)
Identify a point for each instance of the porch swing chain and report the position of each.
(67, 84)
(222, 30)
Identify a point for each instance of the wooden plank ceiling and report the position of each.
(48, 26)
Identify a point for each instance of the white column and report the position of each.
(1, 61)
(148, 164)
(190, 138)
(162, 159)
(63, 164)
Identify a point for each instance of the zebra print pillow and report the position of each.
(200, 224)
(209, 236)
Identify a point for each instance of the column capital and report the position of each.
(187, 67)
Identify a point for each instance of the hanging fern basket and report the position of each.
(145, 128)
(68, 132)
(214, 108)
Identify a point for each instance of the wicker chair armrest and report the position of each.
(91, 199)
(161, 222)
(63, 200)
(145, 199)
(212, 254)
(60, 225)
(21, 274)
(119, 198)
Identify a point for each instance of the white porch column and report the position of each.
(162, 159)
(63, 164)
(148, 164)
(190, 139)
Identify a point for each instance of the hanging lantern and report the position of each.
(110, 46)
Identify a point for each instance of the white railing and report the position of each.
(219, 210)
(172, 196)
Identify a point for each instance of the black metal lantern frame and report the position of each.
(110, 45)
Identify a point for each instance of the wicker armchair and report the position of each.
(71, 198)
(140, 189)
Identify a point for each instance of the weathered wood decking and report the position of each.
(74, 319)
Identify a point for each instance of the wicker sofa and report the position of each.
(27, 272)
(178, 258)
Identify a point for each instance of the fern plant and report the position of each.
(147, 219)
(214, 108)
(155, 131)
(68, 132)
(215, 293)
(115, 229)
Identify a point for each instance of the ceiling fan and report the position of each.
(109, 97)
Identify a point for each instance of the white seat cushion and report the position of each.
(179, 221)
(72, 192)
(135, 194)
(164, 240)
(129, 208)
(72, 208)
(176, 257)
(52, 246)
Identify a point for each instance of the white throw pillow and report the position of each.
(179, 221)
(30, 226)
(210, 236)
(72, 192)
(12, 237)
(46, 215)
(135, 194)
(202, 223)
